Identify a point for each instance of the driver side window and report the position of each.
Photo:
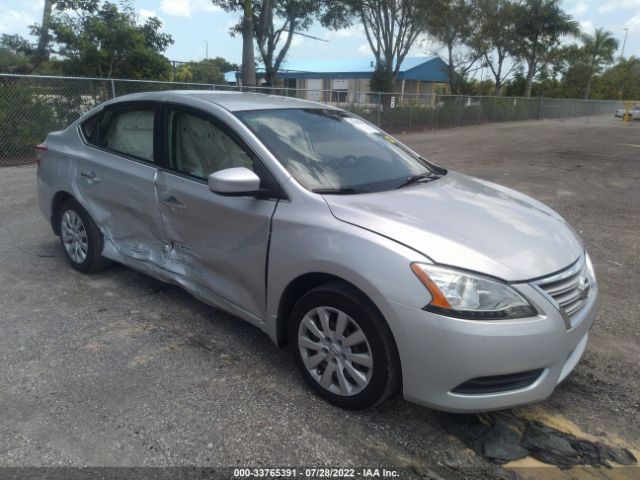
(198, 147)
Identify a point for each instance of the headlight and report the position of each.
(590, 271)
(465, 295)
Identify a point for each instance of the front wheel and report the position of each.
(343, 347)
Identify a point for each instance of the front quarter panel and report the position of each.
(310, 240)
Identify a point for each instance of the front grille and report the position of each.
(568, 290)
(498, 383)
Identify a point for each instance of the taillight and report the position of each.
(40, 151)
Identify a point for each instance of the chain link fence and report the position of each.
(32, 106)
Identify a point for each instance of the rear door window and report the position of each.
(128, 131)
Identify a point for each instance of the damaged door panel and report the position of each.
(115, 180)
(217, 245)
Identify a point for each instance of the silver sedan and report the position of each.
(383, 272)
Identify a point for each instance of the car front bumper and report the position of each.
(440, 353)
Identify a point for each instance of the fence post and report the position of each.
(540, 106)
(113, 89)
(410, 112)
(493, 113)
(459, 110)
(379, 99)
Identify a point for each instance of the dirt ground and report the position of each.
(117, 369)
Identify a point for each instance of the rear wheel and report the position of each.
(343, 347)
(80, 237)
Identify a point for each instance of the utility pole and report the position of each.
(206, 50)
(624, 43)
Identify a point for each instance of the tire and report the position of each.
(80, 238)
(339, 302)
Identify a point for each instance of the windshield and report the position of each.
(331, 151)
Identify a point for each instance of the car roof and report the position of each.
(229, 100)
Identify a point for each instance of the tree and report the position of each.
(540, 25)
(380, 81)
(248, 60)
(449, 22)
(210, 70)
(99, 38)
(599, 50)
(622, 81)
(14, 54)
(391, 26)
(42, 52)
(494, 37)
(275, 22)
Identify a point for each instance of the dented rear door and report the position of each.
(115, 176)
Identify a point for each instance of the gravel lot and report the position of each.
(119, 369)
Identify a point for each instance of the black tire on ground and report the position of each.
(386, 375)
(94, 260)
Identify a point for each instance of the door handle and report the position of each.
(90, 177)
(173, 202)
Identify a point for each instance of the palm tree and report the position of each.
(540, 25)
(599, 50)
(43, 40)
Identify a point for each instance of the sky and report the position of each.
(196, 23)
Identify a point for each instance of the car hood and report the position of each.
(468, 223)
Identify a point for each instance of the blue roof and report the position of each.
(429, 69)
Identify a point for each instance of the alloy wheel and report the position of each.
(74, 236)
(335, 351)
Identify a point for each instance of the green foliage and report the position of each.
(391, 26)
(540, 25)
(100, 38)
(599, 50)
(621, 81)
(449, 22)
(25, 119)
(494, 37)
(381, 79)
(275, 22)
(205, 71)
(14, 54)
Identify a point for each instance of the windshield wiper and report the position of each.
(340, 191)
(418, 178)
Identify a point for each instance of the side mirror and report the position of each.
(234, 181)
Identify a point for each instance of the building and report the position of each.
(348, 80)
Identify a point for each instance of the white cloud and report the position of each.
(145, 14)
(587, 26)
(228, 26)
(633, 24)
(364, 49)
(12, 21)
(579, 9)
(297, 40)
(353, 31)
(185, 8)
(616, 5)
(34, 4)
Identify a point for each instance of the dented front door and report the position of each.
(217, 245)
